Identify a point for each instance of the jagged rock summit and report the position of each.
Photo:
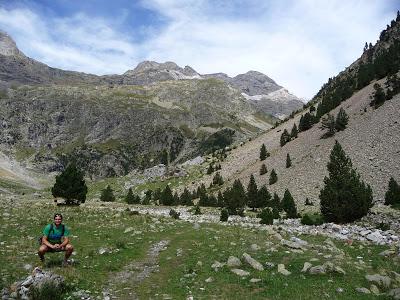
(8, 47)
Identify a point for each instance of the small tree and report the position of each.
(328, 122)
(263, 153)
(344, 198)
(263, 169)
(177, 200)
(288, 161)
(235, 198)
(166, 197)
(147, 197)
(186, 198)
(285, 138)
(130, 197)
(218, 180)
(294, 132)
(224, 215)
(288, 205)
(220, 200)
(252, 193)
(392, 196)
(263, 197)
(266, 216)
(378, 96)
(210, 169)
(341, 120)
(107, 195)
(70, 185)
(273, 177)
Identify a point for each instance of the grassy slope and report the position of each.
(97, 226)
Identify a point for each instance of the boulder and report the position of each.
(306, 266)
(363, 290)
(240, 272)
(282, 270)
(379, 280)
(395, 293)
(252, 262)
(233, 261)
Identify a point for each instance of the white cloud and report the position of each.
(298, 43)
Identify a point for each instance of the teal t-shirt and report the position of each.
(54, 236)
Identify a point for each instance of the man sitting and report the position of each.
(55, 239)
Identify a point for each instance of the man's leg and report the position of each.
(68, 251)
(42, 251)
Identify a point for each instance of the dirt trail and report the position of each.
(134, 273)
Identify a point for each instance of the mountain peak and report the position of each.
(8, 47)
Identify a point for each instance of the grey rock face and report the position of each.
(7, 45)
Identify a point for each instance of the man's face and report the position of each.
(57, 220)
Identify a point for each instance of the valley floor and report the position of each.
(120, 254)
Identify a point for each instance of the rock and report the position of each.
(380, 280)
(339, 290)
(395, 293)
(363, 290)
(28, 267)
(104, 251)
(374, 289)
(298, 241)
(254, 247)
(233, 261)
(255, 280)
(252, 262)
(240, 272)
(217, 265)
(270, 265)
(290, 244)
(282, 270)
(388, 252)
(209, 279)
(317, 270)
(196, 226)
(306, 266)
(129, 229)
(376, 237)
(339, 270)
(277, 236)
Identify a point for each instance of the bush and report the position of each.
(312, 219)
(174, 214)
(130, 198)
(392, 196)
(273, 177)
(197, 210)
(224, 215)
(49, 290)
(263, 169)
(267, 216)
(107, 195)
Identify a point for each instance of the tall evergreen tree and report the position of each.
(70, 185)
(130, 197)
(285, 138)
(392, 196)
(328, 122)
(147, 197)
(294, 132)
(273, 177)
(288, 161)
(235, 198)
(252, 193)
(186, 198)
(217, 179)
(341, 120)
(263, 152)
(107, 195)
(177, 199)
(263, 169)
(263, 197)
(166, 197)
(288, 205)
(344, 198)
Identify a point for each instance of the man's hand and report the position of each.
(56, 246)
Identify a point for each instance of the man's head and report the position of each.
(57, 219)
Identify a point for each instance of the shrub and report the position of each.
(48, 290)
(312, 219)
(263, 152)
(263, 169)
(267, 216)
(218, 180)
(285, 138)
(197, 210)
(107, 195)
(174, 214)
(166, 197)
(130, 198)
(392, 196)
(273, 178)
(224, 215)
(341, 120)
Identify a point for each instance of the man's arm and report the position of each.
(65, 241)
(46, 242)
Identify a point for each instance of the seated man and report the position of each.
(55, 239)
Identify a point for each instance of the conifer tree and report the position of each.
(341, 120)
(224, 215)
(107, 195)
(218, 180)
(276, 202)
(220, 200)
(157, 195)
(344, 198)
(252, 193)
(204, 200)
(392, 196)
(288, 161)
(263, 197)
(177, 200)
(235, 198)
(285, 138)
(263, 169)
(210, 169)
(147, 197)
(70, 185)
(166, 197)
(186, 198)
(273, 177)
(288, 205)
(294, 132)
(378, 96)
(212, 201)
(328, 122)
(130, 198)
(263, 153)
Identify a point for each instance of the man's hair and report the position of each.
(57, 215)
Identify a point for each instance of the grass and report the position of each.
(185, 264)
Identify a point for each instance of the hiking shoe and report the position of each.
(66, 263)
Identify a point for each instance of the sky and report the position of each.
(297, 43)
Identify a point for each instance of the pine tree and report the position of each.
(70, 185)
(294, 132)
(177, 200)
(288, 161)
(157, 195)
(186, 198)
(344, 198)
(224, 215)
(130, 198)
(285, 138)
(263, 169)
(166, 197)
(263, 153)
(378, 96)
(276, 202)
(147, 197)
(252, 193)
(341, 120)
(212, 201)
(218, 180)
(220, 200)
(288, 205)
(328, 122)
(210, 169)
(392, 196)
(235, 198)
(266, 216)
(273, 177)
(203, 201)
(107, 195)
(263, 197)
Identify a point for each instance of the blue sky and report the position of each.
(298, 43)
